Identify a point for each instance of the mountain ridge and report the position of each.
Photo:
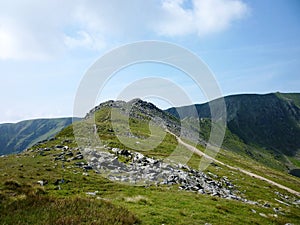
(16, 137)
(268, 110)
(233, 189)
(271, 121)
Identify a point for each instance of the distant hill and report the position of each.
(270, 121)
(16, 137)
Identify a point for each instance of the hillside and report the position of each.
(268, 124)
(78, 180)
(16, 137)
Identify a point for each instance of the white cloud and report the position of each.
(40, 29)
(7, 44)
(18, 43)
(31, 29)
(206, 16)
(176, 19)
(217, 15)
(83, 39)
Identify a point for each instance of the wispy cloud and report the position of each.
(205, 17)
(83, 39)
(38, 30)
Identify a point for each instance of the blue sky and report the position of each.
(47, 46)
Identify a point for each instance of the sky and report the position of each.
(46, 47)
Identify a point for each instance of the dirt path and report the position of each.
(198, 152)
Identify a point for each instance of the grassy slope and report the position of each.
(264, 127)
(23, 201)
(152, 205)
(234, 144)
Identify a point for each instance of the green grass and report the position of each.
(152, 205)
(23, 201)
(295, 97)
(251, 158)
(295, 161)
(234, 144)
(24, 204)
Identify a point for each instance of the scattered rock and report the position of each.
(144, 170)
(281, 202)
(69, 154)
(59, 146)
(263, 215)
(59, 181)
(92, 193)
(253, 210)
(276, 210)
(287, 200)
(42, 182)
(78, 157)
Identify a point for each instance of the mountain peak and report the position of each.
(135, 101)
(128, 106)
